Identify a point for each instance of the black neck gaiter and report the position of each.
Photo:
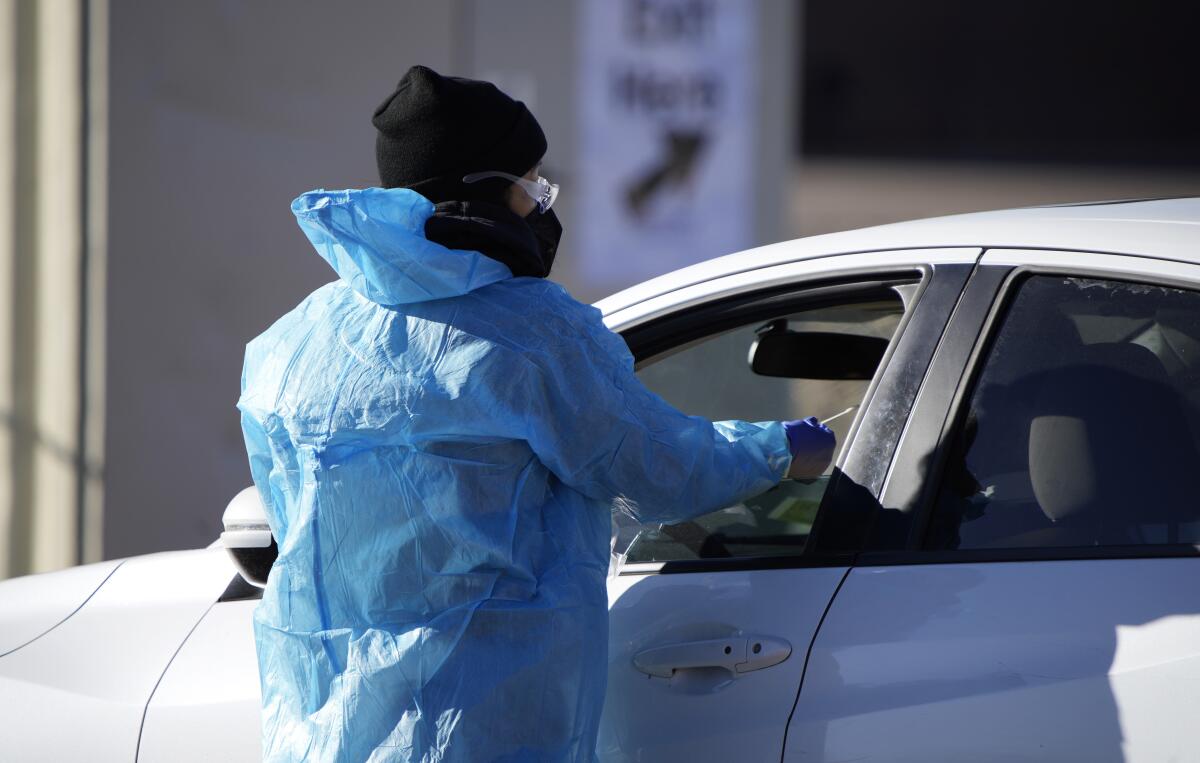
(494, 230)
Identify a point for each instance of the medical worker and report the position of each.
(439, 437)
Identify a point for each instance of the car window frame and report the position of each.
(927, 312)
(913, 488)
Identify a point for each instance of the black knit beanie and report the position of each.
(433, 130)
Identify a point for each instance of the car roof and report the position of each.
(1163, 228)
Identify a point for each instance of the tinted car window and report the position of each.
(1082, 429)
(712, 377)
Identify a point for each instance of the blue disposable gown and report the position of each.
(439, 446)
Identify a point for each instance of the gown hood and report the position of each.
(374, 238)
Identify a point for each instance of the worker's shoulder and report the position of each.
(549, 323)
(536, 307)
(331, 327)
(541, 301)
(317, 307)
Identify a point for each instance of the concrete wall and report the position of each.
(220, 114)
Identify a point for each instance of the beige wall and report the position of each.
(54, 373)
(42, 256)
(8, 244)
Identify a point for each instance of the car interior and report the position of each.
(1083, 426)
(815, 362)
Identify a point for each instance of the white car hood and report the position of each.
(80, 690)
(31, 606)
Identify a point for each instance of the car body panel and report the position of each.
(1085, 660)
(211, 684)
(707, 714)
(32, 605)
(1165, 228)
(79, 691)
(628, 309)
(1186, 274)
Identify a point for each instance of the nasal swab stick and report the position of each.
(839, 415)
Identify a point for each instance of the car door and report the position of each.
(711, 620)
(1033, 594)
(206, 706)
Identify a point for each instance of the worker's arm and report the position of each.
(598, 429)
(273, 465)
(267, 476)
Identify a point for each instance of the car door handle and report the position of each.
(737, 654)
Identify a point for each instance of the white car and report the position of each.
(1001, 565)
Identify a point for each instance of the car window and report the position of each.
(713, 378)
(1082, 428)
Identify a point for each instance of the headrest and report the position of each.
(1049, 337)
(1108, 443)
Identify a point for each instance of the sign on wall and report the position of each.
(668, 116)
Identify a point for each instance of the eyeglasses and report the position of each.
(541, 190)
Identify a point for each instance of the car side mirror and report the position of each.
(247, 537)
(779, 351)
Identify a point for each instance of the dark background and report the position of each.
(1102, 82)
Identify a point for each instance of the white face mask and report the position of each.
(542, 191)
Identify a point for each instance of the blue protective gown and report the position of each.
(439, 446)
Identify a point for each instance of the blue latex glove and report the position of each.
(812, 444)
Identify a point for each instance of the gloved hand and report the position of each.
(812, 444)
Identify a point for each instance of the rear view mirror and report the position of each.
(781, 352)
(247, 537)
